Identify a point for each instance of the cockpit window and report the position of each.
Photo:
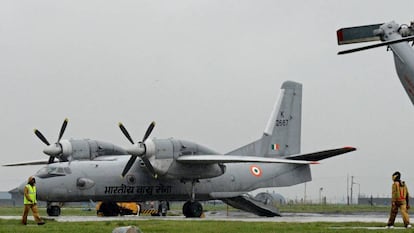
(67, 170)
(51, 171)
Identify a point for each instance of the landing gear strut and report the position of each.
(192, 208)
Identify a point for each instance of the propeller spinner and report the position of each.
(53, 150)
(138, 149)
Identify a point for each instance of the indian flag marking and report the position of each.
(275, 147)
(256, 170)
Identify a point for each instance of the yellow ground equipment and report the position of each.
(116, 208)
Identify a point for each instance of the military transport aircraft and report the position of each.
(395, 37)
(72, 149)
(179, 170)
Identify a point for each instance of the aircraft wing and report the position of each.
(43, 162)
(210, 159)
(310, 158)
(317, 156)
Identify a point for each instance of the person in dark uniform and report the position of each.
(400, 200)
(30, 202)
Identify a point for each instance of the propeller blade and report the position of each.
(41, 137)
(128, 166)
(125, 132)
(149, 130)
(51, 159)
(62, 129)
(149, 167)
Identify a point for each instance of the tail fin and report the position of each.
(281, 136)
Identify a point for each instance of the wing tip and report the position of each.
(349, 148)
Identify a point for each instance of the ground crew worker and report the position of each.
(30, 202)
(400, 200)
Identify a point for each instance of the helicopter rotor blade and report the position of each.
(386, 43)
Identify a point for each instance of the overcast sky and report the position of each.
(206, 71)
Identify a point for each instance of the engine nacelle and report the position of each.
(87, 149)
(161, 153)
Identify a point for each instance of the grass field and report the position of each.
(155, 225)
(152, 226)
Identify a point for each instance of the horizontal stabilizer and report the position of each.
(317, 156)
(357, 34)
(210, 159)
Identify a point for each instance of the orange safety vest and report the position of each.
(399, 193)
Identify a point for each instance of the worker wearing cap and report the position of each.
(400, 198)
(30, 202)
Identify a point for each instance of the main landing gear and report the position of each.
(192, 208)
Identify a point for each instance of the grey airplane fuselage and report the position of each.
(100, 180)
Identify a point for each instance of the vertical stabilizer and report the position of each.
(282, 133)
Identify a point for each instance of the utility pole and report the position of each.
(320, 195)
(352, 186)
(304, 195)
(347, 189)
(359, 189)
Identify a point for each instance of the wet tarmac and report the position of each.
(236, 216)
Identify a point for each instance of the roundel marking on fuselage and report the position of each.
(256, 170)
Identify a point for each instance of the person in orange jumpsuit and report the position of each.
(30, 202)
(400, 200)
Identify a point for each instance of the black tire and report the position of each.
(192, 209)
(196, 209)
(53, 211)
(186, 210)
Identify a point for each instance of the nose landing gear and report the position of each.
(53, 209)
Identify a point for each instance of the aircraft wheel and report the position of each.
(186, 211)
(53, 211)
(192, 209)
